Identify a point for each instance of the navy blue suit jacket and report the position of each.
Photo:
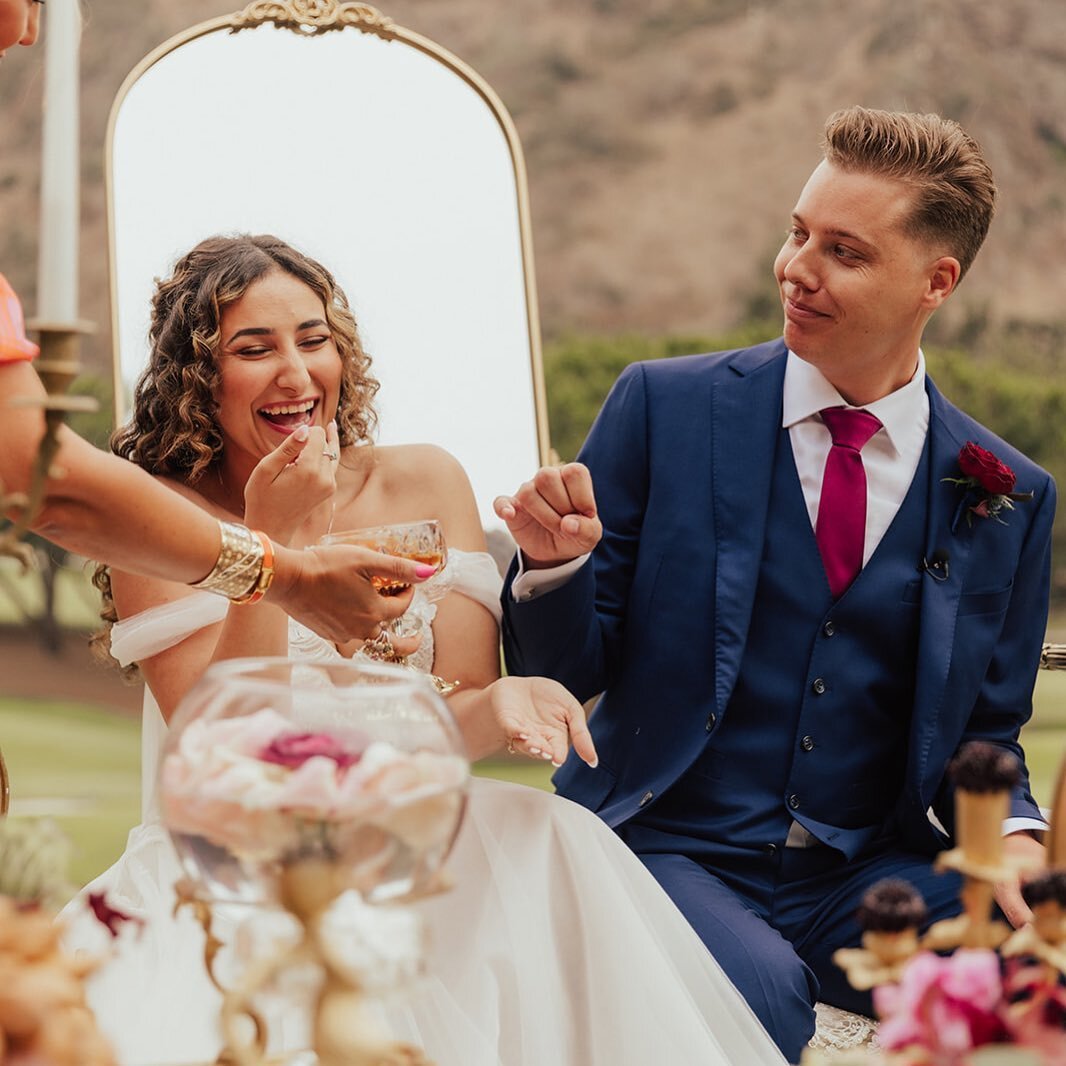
(681, 458)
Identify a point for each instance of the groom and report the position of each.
(795, 612)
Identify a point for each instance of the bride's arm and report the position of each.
(535, 714)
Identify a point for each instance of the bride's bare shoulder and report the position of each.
(423, 480)
(425, 470)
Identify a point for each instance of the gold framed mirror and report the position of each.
(379, 153)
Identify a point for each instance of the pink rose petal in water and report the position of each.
(294, 749)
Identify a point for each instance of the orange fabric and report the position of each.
(14, 345)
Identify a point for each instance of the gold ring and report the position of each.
(511, 748)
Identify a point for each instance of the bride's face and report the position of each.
(278, 364)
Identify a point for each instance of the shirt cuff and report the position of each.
(529, 584)
(1031, 825)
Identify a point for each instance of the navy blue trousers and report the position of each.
(773, 920)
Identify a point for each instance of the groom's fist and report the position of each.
(553, 517)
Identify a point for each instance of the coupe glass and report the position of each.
(422, 541)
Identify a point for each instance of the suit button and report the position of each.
(712, 720)
(646, 798)
(794, 801)
(807, 743)
(770, 849)
(829, 629)
(818, 686)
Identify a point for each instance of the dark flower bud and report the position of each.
(1047, 886)
(981, 767)
(891, 906)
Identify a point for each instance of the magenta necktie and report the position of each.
(841, 526)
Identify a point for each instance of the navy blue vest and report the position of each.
(804, 736)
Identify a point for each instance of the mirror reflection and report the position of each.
(375, 157)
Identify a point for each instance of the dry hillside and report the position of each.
(666, 139)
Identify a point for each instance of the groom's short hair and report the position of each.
(955, 193)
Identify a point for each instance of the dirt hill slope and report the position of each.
(666, 139)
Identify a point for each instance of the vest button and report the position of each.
(829, 629)
(712, 720)
(794, 801)
(646, 798)
(818, 686)
(807, 743)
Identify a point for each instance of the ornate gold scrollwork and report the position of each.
(314, 17)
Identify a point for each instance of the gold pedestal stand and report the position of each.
(344, 1031)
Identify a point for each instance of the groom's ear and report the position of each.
(942, 278)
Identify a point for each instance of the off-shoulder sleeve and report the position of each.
(476, 576)
(148, 633)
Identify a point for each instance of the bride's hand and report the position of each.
(287, 485)
(541, 719)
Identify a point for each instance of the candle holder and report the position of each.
(58, 366)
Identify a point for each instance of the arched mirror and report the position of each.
(379, 153)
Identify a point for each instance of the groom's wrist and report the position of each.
(530, 583)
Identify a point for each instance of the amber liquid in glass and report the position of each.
(388, 587)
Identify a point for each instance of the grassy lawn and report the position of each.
(81, 765)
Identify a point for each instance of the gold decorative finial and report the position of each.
(313, 17)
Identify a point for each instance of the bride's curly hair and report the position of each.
(173, 430)
(174, 426)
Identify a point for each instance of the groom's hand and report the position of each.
(1023, 847)
(553, 517)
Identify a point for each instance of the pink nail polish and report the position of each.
(534, 751)
(302, 434)
(425, 570)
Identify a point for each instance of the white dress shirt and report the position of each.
(890, 459)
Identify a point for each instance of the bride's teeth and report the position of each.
(287, 409)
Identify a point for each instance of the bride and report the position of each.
(555, 946)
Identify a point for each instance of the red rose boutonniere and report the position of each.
(988, 480)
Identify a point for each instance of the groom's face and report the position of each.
(856, 287)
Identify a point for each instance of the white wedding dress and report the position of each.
(555, 947)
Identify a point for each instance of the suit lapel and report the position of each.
(940, 598)
(746, 422)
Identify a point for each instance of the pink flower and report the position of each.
(294, 749)
(947, 1006)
